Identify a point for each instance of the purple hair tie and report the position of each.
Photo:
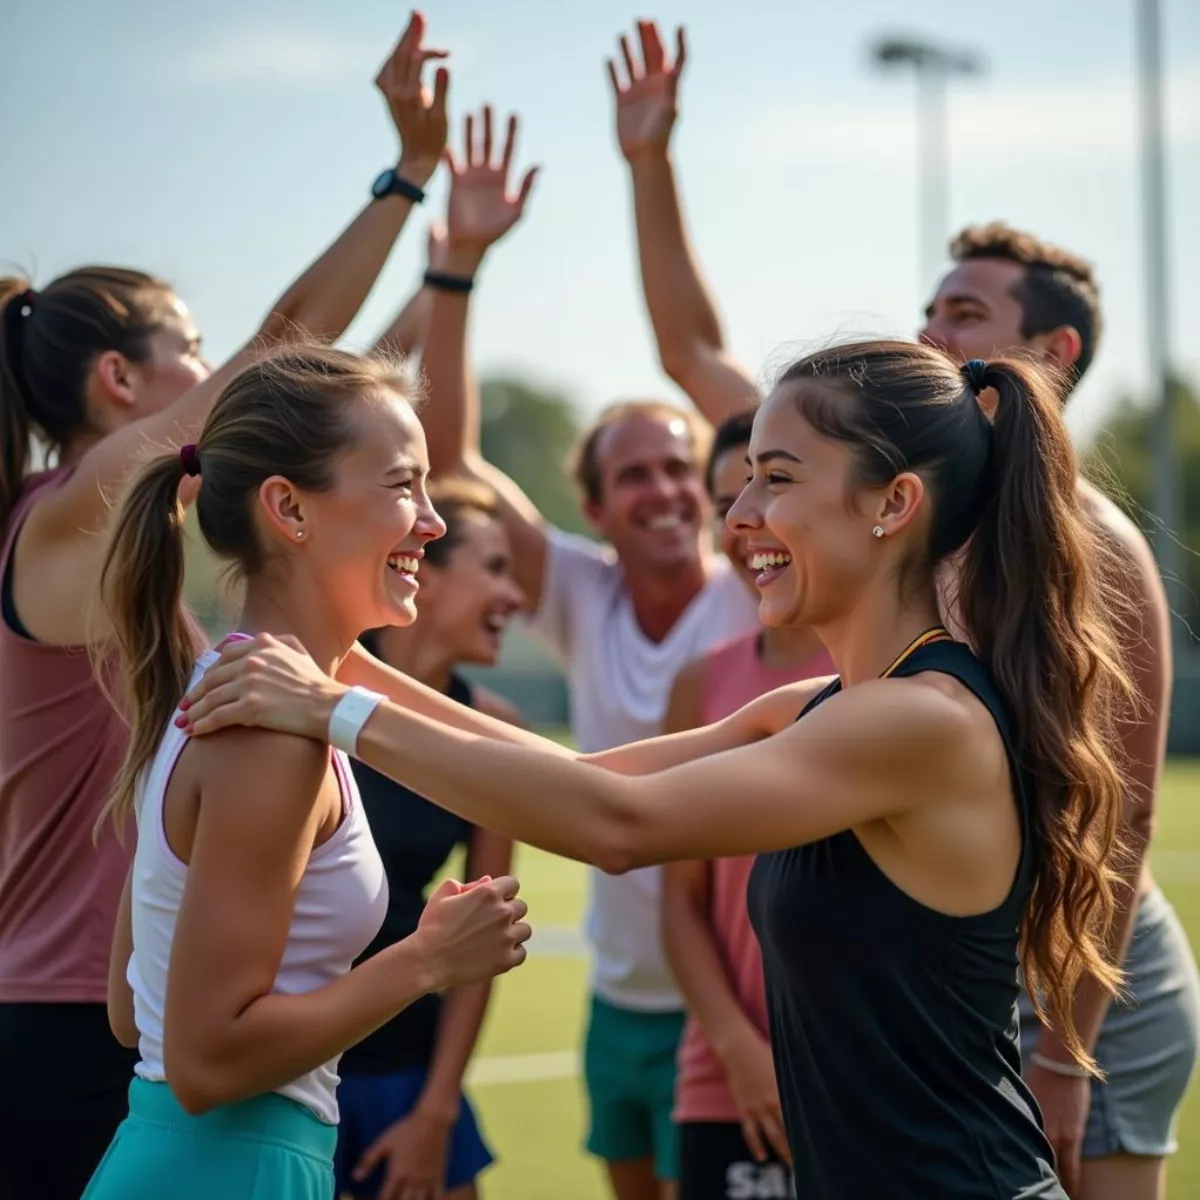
(190, 457)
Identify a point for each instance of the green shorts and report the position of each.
(260, 1149)
(629, 1067)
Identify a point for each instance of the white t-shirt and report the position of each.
(619, 683)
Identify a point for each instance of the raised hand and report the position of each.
(468, 933)
(419, 117)
(436, 246)
(482, 208)
(646, 107)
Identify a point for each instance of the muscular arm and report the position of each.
(1143, 745)
(227, 1035)
(856, 752)
(452, 423)
(759, 719)
(687, 329)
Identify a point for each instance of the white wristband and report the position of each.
(1055, 1067)
(349, 715)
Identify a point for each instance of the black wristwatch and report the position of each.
(389, 183)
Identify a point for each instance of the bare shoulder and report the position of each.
(276, 769)
(1121, 532)
(929, 719)
(492, 704)
(1137, 587)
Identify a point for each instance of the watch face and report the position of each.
(383, 184)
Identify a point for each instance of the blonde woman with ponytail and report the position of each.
(925, 823)
(256, 883)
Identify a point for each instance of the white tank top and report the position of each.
(340, 906)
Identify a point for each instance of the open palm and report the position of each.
(646, 103)
(482, 209)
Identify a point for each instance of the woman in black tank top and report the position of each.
(933, 822)
(404, 1118)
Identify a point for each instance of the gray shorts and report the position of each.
(1148, 1042)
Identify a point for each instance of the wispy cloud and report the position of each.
(272, 56)
(1095, 120)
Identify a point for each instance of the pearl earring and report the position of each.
(299, 534)
(878, 531)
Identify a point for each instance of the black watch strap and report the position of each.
(391, 183)
(444, 281)
(409, 191)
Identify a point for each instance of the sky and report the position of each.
(224, 144)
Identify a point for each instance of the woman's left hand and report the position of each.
(265, 682)
(1064, 1101)
(413, 1153)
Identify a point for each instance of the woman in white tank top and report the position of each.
(231, 967)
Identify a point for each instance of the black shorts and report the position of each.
(65, 1090)
(716, 1164)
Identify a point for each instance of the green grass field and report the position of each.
(525, 1081)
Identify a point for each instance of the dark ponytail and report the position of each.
(1036, 597)
(49, 340)
(141, 586)
(15, 431)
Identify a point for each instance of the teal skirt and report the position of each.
(267, 1148)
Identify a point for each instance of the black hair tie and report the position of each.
(189, 456)
(975, 373)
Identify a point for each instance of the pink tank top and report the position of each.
(733, 676)
(61, 744)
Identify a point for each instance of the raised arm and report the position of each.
(321, 302)
(481, 211)
(406, 334)
(687, 328)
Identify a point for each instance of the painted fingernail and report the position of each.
(185, 704)
(181, 722)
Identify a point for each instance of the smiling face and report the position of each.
(805, 521)
(469, 596)
(729, 473)
(363, 539)
(652, 504)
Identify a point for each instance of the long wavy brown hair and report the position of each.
(1036, 595)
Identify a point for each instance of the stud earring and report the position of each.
(877, 531)
(299, 534)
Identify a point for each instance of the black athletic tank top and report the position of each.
(415, 838)
(894, 1027)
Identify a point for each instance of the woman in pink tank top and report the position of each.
(95, 365)
(731, 1138)
(256, 881)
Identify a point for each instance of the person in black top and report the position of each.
(939, 817)
(404, 1121)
